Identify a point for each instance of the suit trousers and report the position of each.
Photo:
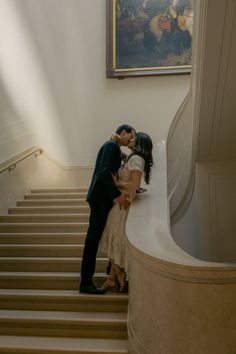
(97, 222)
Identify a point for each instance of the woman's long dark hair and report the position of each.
(143, 147)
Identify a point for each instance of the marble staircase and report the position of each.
(41, 309)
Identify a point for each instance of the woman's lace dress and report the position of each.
(113, 240)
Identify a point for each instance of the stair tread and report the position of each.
(45, 234)
(54, 200)
(21, 216)
(47, 259)
(30, 245)
(69, 344)
(30, 224)
(49, 208)
(54, 194)
(60, 192)
(47, 274)
(63, 293)
(59, 207)
(63, 315)
(66, 189)
(9, 218)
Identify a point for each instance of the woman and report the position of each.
(113, 238)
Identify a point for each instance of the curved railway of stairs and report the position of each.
(41, 310)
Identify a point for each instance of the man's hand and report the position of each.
(115, 178)
(124, 200)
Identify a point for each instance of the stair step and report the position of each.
(43, 227)
(55, 345)
(42, 238)
(41, 309)
(60, 190)
(14, 250)
(64, 323)
(50, 210)
(45, 280)
(52, 202)
(46, 264)
(44, 218)
(58, 300)
(55, 196)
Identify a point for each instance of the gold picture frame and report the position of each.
(148, 37)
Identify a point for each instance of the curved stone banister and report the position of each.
(177, 303)
(180, 159)
(149, 218)
(183, 134)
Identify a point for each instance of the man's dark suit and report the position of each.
(102, 192)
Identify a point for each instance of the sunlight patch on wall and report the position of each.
(24, 80)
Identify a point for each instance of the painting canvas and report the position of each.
(149, 37)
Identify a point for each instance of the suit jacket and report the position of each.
(102, 189)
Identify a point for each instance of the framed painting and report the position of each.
(148, 37)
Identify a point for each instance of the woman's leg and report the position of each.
(121, 276)
(111, 280)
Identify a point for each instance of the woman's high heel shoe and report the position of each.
(121, 276)
(109, 284)
(123, 287)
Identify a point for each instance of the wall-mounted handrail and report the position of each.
(11, 163)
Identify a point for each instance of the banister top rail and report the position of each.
(11, 163)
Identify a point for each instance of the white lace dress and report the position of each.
(113, 240)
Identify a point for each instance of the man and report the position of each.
(101, 195)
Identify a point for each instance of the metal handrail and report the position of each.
(11, 163)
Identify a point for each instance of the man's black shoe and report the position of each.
(91, 289)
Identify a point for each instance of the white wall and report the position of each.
(53, 86)
(38, 171)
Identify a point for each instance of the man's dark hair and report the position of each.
(125, 127)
